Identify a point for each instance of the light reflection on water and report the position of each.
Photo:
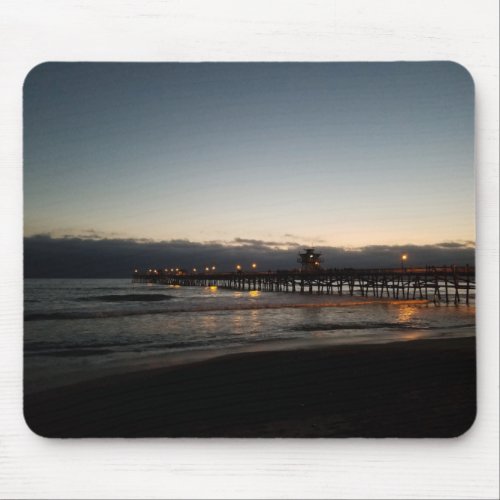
(406, 313)
(208, 323)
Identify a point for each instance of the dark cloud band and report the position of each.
(71, 257)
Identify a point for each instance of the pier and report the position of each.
(447, 284)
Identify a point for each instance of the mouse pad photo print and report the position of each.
(249, 250)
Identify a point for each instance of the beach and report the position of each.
(420, 388)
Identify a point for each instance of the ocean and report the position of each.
(76, 330)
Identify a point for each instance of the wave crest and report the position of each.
(132, 297)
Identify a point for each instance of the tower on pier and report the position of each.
(310, 260)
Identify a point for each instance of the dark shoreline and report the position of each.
(421, 388)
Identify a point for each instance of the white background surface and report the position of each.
(77, 30)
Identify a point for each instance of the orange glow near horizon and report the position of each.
(346, 238)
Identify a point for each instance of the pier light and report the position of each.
(238, 267)
(172, 270)
(213, 268)
(404, 257)
(149, 270)
(176, 269)
(207, 269)
(254, 266)
(135, 270)
(194, 269)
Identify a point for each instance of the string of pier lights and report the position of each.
(239, 268)
(207, 269)
(404, 258)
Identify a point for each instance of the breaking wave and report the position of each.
(67, 350)
(353, 326)
(373, 326)
(36, 316)
(134, 297)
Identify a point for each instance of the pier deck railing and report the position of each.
(449, 284)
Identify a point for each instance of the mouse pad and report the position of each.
(249, 250)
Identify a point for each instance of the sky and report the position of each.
(334, 155)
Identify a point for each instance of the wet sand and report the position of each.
(422, 388)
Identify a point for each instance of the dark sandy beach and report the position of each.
(423, 388)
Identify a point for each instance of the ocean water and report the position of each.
(80, 329)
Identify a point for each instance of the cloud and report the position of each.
(454, 244)
(83, 234)
(316, 240)
(71, 257)
(264, 243)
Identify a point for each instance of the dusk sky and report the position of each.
(338, 154)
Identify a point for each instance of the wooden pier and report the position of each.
(447, 284)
